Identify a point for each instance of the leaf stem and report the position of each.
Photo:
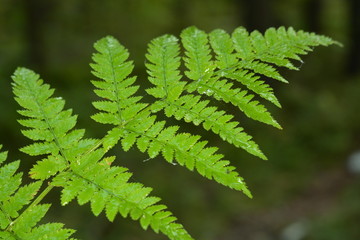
(34, 203)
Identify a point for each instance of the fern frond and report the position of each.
(13, 200)
(115, 86)
(276, 46)
(194, 41)
(227, 62)
(163, 68)
(26, 227)
(70, 155)
(243, 56)
(229, 68)
(107, 189)
(153, 137)
(47, 123)
(163, 55)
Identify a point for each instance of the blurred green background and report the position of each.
(308, 190)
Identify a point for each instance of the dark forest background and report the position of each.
(310, 188)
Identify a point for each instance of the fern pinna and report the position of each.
(218, 66)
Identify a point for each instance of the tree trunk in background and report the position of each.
(258, 14)
(354, 37)
(36, 14)
(312, 15)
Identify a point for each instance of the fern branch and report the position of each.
(207, 81)
(47, 124)
(276, 46)
(218, 65)
(163, 67)
(115, 86)
(31, 207)
(163, 55)
(228, 64)
(107, 189)
(152, 137)
(192, 109)
(13, 199)
(80, 157)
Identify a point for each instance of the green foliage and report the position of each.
(78, 165)
(135, 123)
(15, 224)
(107, 188)
(218, 66)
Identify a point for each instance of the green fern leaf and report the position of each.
(227, 62)
(13, 199)
(7, 173)
(107, 189)
(198, 54)
(276, 46)
(163, 54)
(164, 74)
(53, 231)
(19, 199)
(62, 143)
(48, 167)
(153, 137)
(116, 87)
(193, 40)
(229, 68)
(25, 227)
(12, 196)
(47, 123)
